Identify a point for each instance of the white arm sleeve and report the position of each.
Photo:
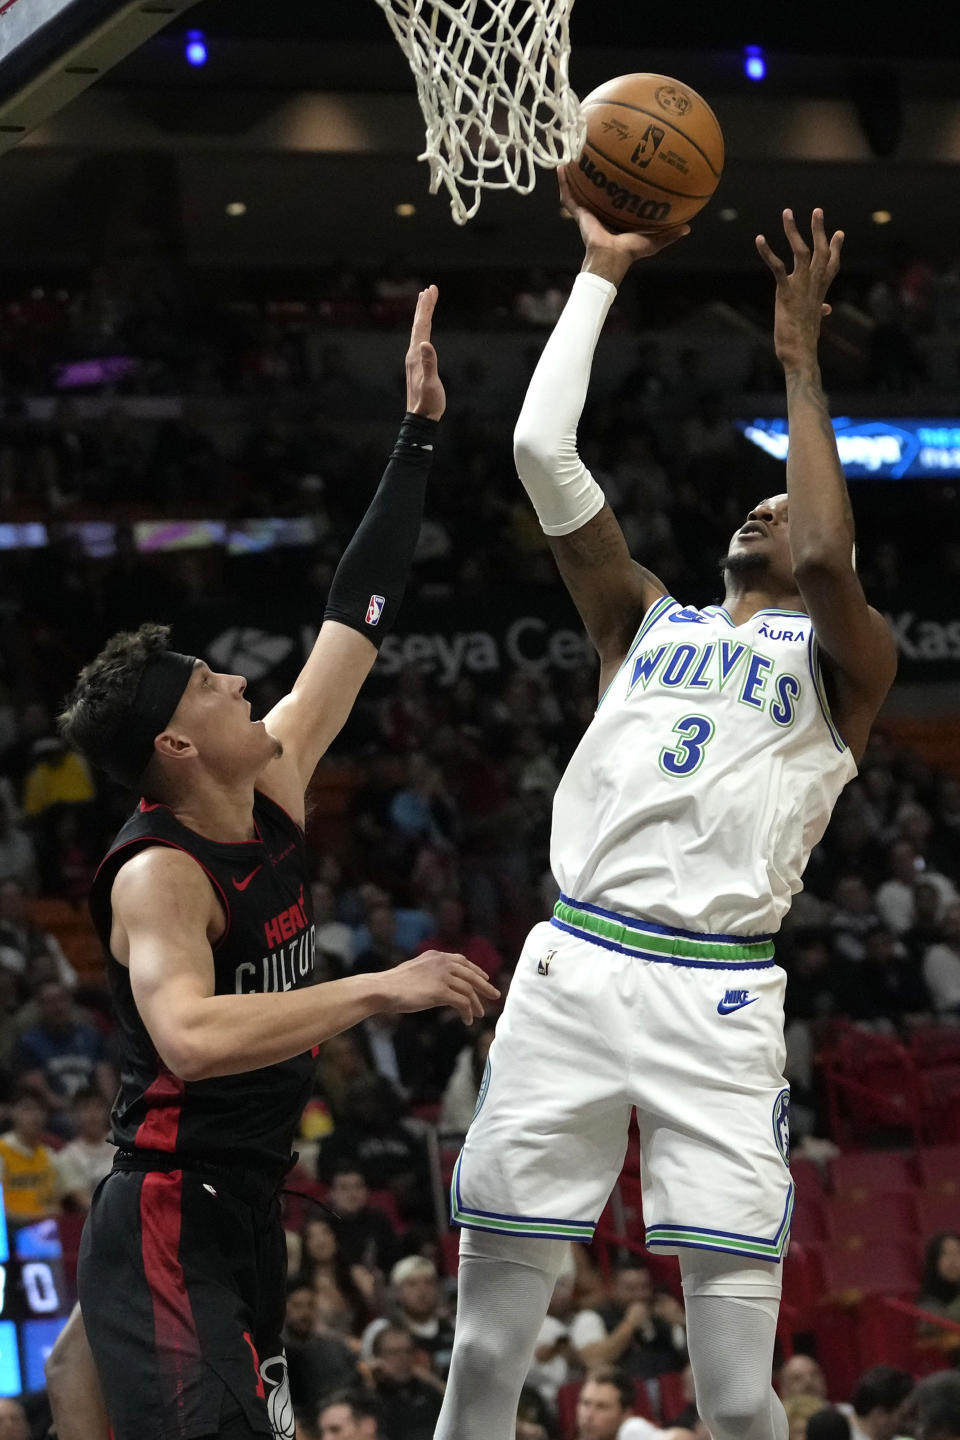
(564, 493)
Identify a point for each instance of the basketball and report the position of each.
(653, 154)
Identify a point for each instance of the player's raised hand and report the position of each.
(425, 393)
(610, 254)
(801, 292)
(436, 978)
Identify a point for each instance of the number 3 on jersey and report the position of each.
(696, 731)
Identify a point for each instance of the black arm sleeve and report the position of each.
(372, 575)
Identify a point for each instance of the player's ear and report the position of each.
(174, 745)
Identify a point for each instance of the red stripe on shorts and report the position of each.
(158, 1129)
(174, 1328)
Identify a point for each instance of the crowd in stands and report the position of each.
(442, 838)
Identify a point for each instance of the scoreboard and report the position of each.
(34, 1304)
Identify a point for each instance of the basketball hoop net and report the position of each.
(492, 82)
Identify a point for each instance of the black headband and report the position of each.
(164, 679)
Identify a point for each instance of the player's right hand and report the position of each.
(436, 978)
(607, 249)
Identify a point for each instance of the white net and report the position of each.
(492, 81)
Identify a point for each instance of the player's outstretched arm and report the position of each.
(610, 591)
(165, 910)
(368, 586)
(857, 641)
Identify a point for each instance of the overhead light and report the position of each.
(881, 217)
(754, 65)
(235, 208)
(405, 210)
(727, 214)
(196, 51)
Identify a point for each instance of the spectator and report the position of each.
(341, 1060)
(13, 1421)
(534, 1416)
(940, 1285)
(371, 1134)
(58, 776)
(24, 945)
(887, 988)
(352, 1416)
(364, 1233)
(419, 1308)
(880, 1403)
(829, 1423)
(802, 1375)
(18, 858)
(342, 1291)
(605, 1408)
(895, 902)
(396, 1045)
(854, 916)
(941, 964)
(937, 1402)
(460, 1096)
(84, 1161)
(334, 938)
(639, 1332)
(422, 810)
(409, 1392)
(61, 1055)
(452, 935)
(31, 1187)
(318, 1365)
(381, 951)
(799, 1410)
(926, 929)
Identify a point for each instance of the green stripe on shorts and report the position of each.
(634, 937)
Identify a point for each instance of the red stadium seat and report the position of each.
(938, 1211)
(936, 1045)
(807, 1176)
(939, 1168)
(850, 1274)
(808, 1225)
(861, 1173)
(872, 1087)
(673, 1401)
(567, 1397)
(801, 1283)
(878, 1217)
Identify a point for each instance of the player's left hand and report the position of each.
(425, 392)
(800, 294)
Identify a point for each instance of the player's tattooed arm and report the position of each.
(855, 639)
(610, 590)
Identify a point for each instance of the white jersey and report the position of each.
(707, 775)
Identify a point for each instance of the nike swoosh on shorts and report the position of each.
(722, 1007)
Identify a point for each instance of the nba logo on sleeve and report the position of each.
(375, 609)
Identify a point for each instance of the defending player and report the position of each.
(204, 905)
(681, 829)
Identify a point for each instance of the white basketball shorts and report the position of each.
(606, 1012)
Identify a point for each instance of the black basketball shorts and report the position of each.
(182, 1287)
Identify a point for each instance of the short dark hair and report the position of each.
(938, 1406)
(621, 1382)
(361, 1405)
(884, 1386)
(389, 1330)
(26, 1092)
(828, 1424)
(86, 1094)
(295, 1283)
(105, 691)
(346, 1167)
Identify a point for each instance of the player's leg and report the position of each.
(73, 1386)
(503, 1289)
(544, 1149)
(731, 1307)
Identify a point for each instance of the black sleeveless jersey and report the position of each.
(268, 944)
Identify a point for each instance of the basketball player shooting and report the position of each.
(681, 829)
(203, 903)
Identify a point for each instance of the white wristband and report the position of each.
(564, 493)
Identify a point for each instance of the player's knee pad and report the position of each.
(546, 1255)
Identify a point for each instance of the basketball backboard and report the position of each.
(51, 50)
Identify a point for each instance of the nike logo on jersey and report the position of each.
(690, 616)
(735, 1000)
(242, 884)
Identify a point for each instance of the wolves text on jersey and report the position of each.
(717, 666)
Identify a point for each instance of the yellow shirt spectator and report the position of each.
(31, 1185)
(58, 777)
